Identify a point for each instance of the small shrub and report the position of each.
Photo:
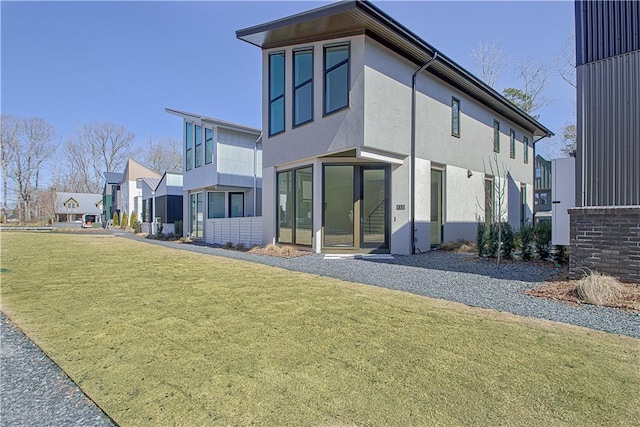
(493, 243)
(561, 255)
(481, 237)
(459, 245)
(133, 219)
(159, 233)
(137, 227)
(177, 226)
(240, 246)
(228, 245)
(542, 235)
(508, 244)
(116, 219)
(124, 221)
(526, 238)
(599, 289)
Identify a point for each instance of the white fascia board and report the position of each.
(378, 155)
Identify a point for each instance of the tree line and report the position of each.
(35, 165)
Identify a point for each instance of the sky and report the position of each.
(74, 63)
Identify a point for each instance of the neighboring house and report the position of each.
(222, 175)
(130, 196)
(82, 208)
(542, 189)
(162, 203)
(356, 160)
(605, 227)
(110, 194)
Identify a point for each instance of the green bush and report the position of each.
(526, 238)
(561, 255)
(508, 241)
(481, 237)
(492, 244)
(177, 226)
(116, 219)
(124, 221)
(542, 234)
(133, 220)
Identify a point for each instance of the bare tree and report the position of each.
(490, 61)
(94, 149)
(9, 126)
(31, 147)
(564, 61)
(163, 154)
(531, 96)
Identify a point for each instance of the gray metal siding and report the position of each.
(608, 152)
(606, 28)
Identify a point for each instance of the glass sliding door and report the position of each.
(197, 215)
(338, 212)
(304, 207)
(436, 206)
(285, 207)
(373, 207)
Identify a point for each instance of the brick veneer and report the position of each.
(605, 239)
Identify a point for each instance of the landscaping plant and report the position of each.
(481, 237)
(508, 242)
(599, 289)
(133, 220)
(116, 219)
(561, 255)
(124, 221)
(177, 228)
(526, 238)
(542, 234)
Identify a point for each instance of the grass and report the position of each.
(158, 337)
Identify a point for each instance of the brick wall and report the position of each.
(605, 239)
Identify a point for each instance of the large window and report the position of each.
(236, 205)
(496, 136)
(336, 78)
(188, 138)
(512, 143)
(208, 146)
(276, 93)
(455, 117)
(295, 206)
(302, 86)
(525, 142)
(198, 146)
(215, 204)
(197, 216)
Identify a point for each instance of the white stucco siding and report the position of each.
(336, 132)
(269, 205)
(463, 203)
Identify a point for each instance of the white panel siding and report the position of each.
(247, 230)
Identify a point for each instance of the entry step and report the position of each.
(359, 256)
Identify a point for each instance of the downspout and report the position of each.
(412, 185)
(255, 175)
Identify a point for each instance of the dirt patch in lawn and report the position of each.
(283, 251)
(563, 289)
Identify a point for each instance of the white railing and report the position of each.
(247, 230)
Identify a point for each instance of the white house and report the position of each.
(374, 141)
(222, 181)
(129, 197)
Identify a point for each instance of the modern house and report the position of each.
(162, 203)
(79, 208)
(374, 141)
(129, 199)
(605, 226)
(222, 180)
(110, 194)
(542, 189)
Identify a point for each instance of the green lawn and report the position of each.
(160, 337)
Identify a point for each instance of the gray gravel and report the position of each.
(449, 276)
(35, 391)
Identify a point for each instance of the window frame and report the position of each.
(277, 98)
(294, 204)
(455, 117)
(525, 143)
(496, 136)
(208, 146)
(295, 87)
(234, 193)
(188, 158)
(224, 204)
(512, 143)
(325, 72)
(197, 144)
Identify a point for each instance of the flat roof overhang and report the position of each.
(356, 17)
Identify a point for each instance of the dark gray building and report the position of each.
(605, 227)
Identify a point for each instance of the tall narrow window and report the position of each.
(198, 135)
(523, 204)
(188, 138)
(496, 136)
(285, 207)
(488, 201)
(276, 93)
(302, 86)
(525, 142)
(512, 143)
(216, 206)
(236, 205)
(336, 78)
(208, 146)
(455, 117)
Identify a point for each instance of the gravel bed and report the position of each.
(454, 277)
(35, 391)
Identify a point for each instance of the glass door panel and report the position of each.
(373, 215)
(338, 206)
(304, 206)
(436, 207)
